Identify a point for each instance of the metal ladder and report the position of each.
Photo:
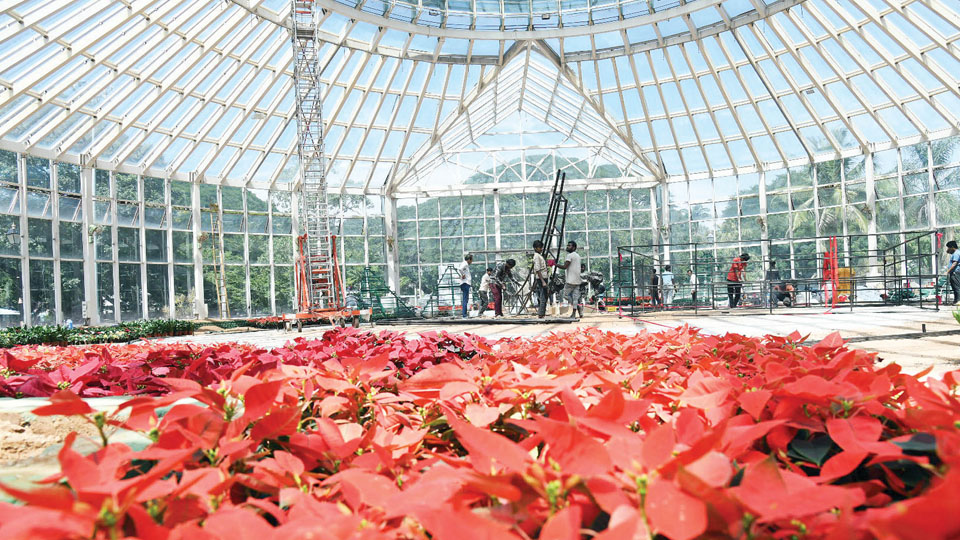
(219, 271)
(552, 236)
(319, 260)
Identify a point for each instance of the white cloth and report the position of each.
(485, 283)
(666, 279)
(693, 281)
(539, 266)
(573, 270)
(464, 269)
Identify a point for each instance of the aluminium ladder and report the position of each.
(219, 271)
(319, 263)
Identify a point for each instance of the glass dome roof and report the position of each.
(203, 89)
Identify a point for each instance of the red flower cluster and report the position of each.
(141, 368)
(569, 436)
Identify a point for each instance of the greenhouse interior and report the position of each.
(616, 268)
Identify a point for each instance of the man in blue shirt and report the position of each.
(953, 270)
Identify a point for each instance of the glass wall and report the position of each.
(142, 242)
(126, 246)
(890, 193)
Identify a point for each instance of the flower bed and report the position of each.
(569, 436)
(141, 368)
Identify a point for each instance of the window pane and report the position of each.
(41, 292)
(130, 292)
(158, 300)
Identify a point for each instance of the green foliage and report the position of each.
(38, 335)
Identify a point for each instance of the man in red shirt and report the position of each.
(735, 277)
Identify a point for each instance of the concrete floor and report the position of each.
(914, 354)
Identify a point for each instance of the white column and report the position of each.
(246, 254)
(92, 310)
(200, 306)
(393, 243)
(24, 239)
(142, 232)
(273, 273)
(168, 234)
(55, 237)
(115, 251)
(870, 186)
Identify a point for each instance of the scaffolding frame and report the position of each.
(324, 289)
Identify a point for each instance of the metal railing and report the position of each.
(870, 271)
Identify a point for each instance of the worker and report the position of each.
(953, 270)
(540, 275)
(666, 280)
(735, 279)
(655, 298)
(573, 279)
(464, 270)
(774, 284)
(692, 281)
(498, 284)
(484, 291)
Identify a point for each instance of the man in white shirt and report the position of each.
(666, 281)
(540, 274)
(692, 281)
(484, 291)
(571, 287)
(464, 270)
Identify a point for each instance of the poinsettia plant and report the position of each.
(582, 435)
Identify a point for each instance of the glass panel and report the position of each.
(71, 240)
(232, 198)
(8, 167)
(130, 292)
(182, 246)
(126, 187)
(233, 248)
(284, 288)
(41, 238)
(102, 183)
(128, 244)
(7, 247)
(154, 190)
(257, 223)
(259, 249)
(282, 225)
(181, 193)
(182, 219)
(158, 300)
(183, 290)
(68, 177)
(154, 216)
(128, 214)
(282, 249)
(103, 243)
(38, 172)
(11, 288)
(257, 200)
(70, 209)
(71, 290)
(41, 292)
(259, 291)
(156, 245)
(105, 292)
